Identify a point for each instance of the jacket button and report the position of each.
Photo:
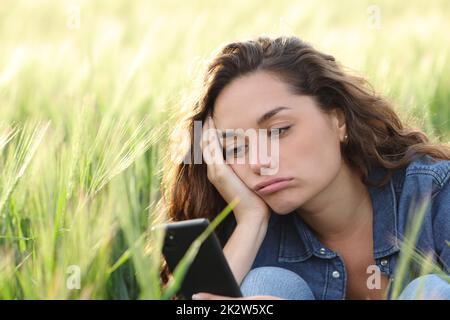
(384, 262)
(335, 274)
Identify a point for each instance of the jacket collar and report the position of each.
(298, 242)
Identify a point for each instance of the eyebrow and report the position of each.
(265, 117)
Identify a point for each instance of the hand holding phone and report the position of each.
(209, 271)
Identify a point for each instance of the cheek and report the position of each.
(241, 170)
(314, 151)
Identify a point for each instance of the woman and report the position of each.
(345, 171)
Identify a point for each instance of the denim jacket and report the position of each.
(289, 243)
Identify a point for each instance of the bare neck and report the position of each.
(342, 210)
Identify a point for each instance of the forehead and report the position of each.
(246, 98)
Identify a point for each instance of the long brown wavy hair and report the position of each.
(376, 136)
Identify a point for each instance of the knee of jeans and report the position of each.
(429, 286)
(276, 281)
(428, 281)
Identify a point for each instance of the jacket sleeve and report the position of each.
(441, 225)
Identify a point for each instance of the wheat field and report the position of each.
(91, 90)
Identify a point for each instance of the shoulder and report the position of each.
(427, 167)
(429, 178)
(425, 178)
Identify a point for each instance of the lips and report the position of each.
(272, 185)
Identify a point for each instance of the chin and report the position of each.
(286, 203)
(283, 209)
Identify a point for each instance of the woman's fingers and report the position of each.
(262, 298)
(210, 296)
(212, 149)
(214, 132)
(217, 169)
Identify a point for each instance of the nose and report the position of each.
(263, 159)
(259, 161)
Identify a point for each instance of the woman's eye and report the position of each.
(236, 151)
(278, 131)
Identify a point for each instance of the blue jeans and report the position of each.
(429, 287)
(286, 284)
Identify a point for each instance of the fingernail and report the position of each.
(195, 297)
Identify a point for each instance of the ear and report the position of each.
(339, 124)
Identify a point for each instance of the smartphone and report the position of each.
(209, 271)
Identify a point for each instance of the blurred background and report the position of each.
(91, 90)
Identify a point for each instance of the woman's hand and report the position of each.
(229, 185)
(210, 296)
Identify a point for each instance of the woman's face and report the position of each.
(309, 147)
